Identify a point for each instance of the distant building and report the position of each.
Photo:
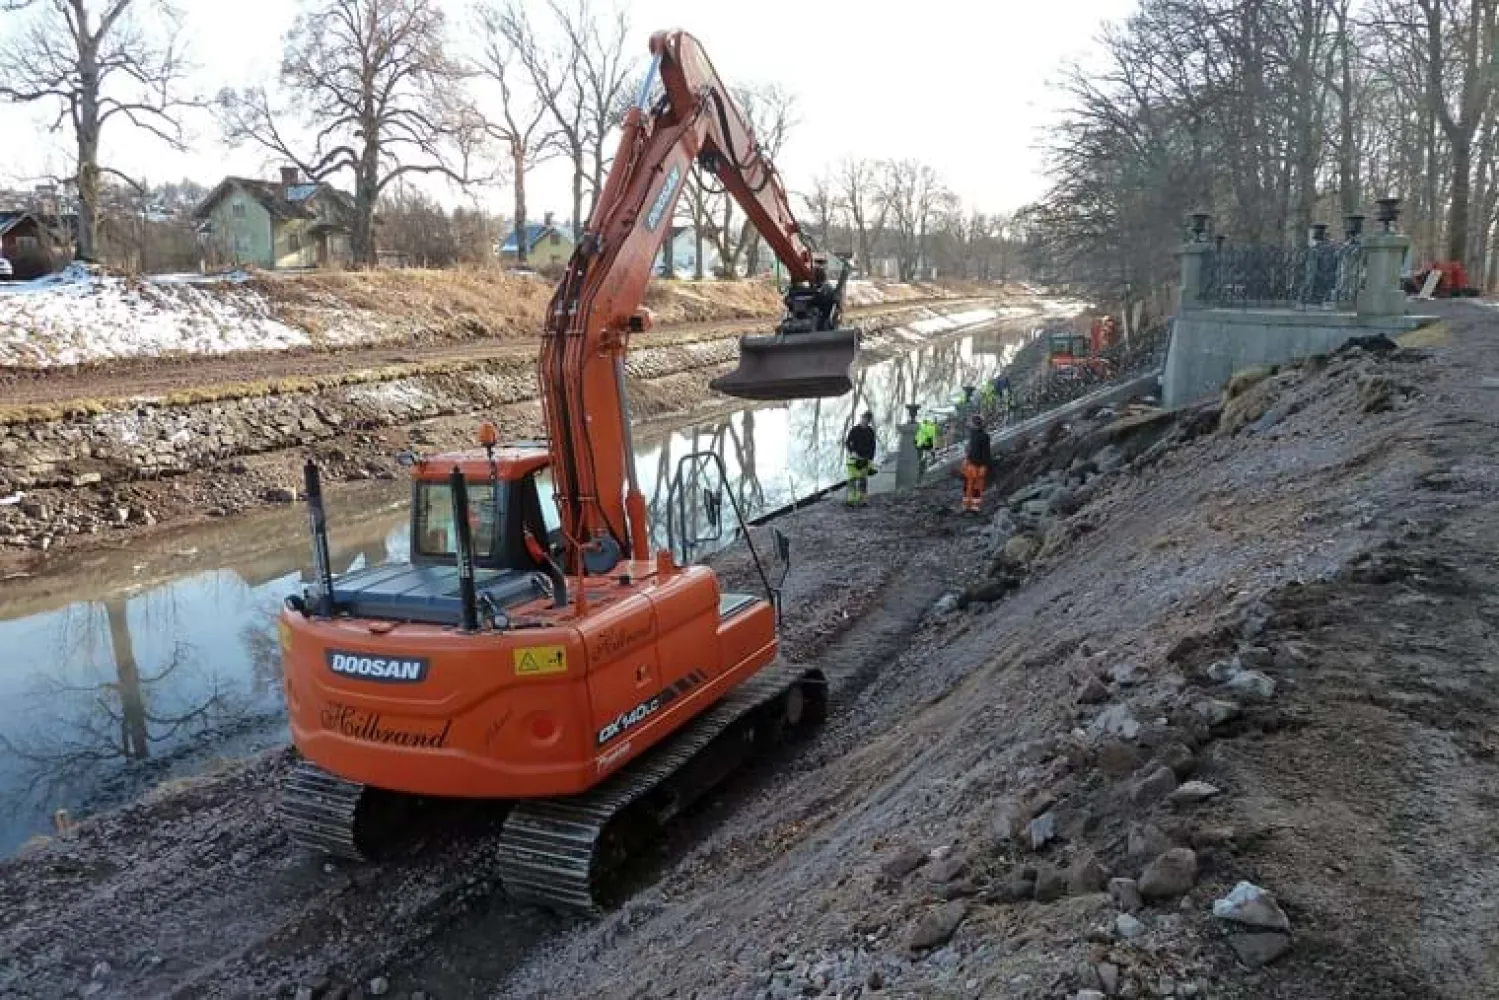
(25, 242)
(546, 245)
(19, 232)
(683, 255)
(285, 223)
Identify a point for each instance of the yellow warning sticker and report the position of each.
(531, 661)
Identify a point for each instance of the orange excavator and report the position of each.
(594, 687)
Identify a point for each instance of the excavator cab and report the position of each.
(809, 356)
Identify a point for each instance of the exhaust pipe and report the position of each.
(463, 547)
(322, 565)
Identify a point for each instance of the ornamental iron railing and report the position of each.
(1324, 275)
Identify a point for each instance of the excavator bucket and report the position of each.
(792, 366)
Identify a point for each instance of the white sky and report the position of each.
(961, 84)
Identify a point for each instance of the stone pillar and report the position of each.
(1380, 293)
(907, 462)
(1192, 256)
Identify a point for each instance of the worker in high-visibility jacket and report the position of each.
(976, 462)
(926, 435)
(926, 442)
(860, 445)
(1002, 389)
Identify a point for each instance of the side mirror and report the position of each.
(783, 545)
(712, 506)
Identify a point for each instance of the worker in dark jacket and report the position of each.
(976, 463)
(861, 445)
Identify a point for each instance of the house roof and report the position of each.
(295, 205)
(535, 232)
(10, 220)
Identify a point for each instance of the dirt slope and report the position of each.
(1345, 549)
(1293, 600)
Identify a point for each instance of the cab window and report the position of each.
(435, 537)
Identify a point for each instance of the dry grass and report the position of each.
(475, 301)
(708, 301)
(244, 390)
(456, 302)
(1431, 335)
(41, 412)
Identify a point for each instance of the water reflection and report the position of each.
(776, 454)
(145, 665)
(107, 694)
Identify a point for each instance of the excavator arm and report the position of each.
(597, 306)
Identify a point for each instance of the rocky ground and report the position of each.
(1202, 707)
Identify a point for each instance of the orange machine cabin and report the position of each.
(387, 687)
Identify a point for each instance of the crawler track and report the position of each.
(562, 853)
(320, 811)
(570, 853)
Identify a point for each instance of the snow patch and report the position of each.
(397, 395)
(953, 321)
(81, 315)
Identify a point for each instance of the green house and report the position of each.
(285, 223)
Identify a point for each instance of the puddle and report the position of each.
(144, 667)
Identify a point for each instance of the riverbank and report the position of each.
(1244, 643)
(109, 476)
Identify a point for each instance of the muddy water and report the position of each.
(132, 668)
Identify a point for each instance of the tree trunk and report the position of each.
(1481, 207)
(518, 161)
(1457, 213)
(135, 741)
(1348, 159)
(697, 239)
(577, 193)
(1307, 141)
(597, 178)
(1433, 220)
(88, 153)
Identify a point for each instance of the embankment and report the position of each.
(98, 473)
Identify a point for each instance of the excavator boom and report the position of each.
(693, 121)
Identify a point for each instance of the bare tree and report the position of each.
(603, 72)
(1465, 47)
(524, 122)
(373, 84)
(858, 192)
(699, 197)
(417, 228)
(554, 64)
(97, 61)
(823, 206)
(912, 196)
(771, 114)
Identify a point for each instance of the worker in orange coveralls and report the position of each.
(976, 464)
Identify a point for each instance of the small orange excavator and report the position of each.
(593, 686)
(1452, 281)
(1075, 355)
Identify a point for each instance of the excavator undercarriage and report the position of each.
(571, 852)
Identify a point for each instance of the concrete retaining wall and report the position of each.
(1209, 345)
